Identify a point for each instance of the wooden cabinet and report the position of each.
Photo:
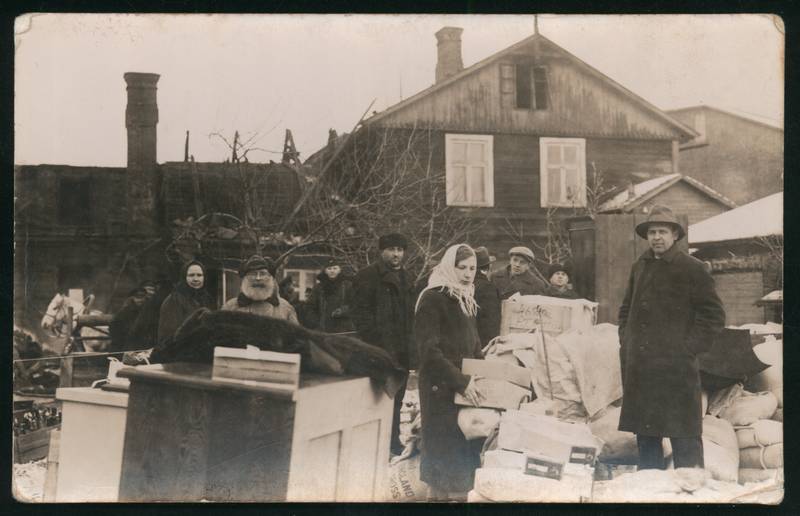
(192, 436)
(90, 447)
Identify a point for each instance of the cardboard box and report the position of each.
(497, 370)
(500, 458)
(546, 435)
(499, 394)
(554, 315)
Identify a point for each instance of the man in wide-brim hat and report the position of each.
(669, 315)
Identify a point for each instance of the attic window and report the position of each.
(531, 86)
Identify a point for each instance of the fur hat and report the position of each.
(392, 240)
(660, 215)
(521, 251)
(484, 259)
(256, 263)
(556, 267)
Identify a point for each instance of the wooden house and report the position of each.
(737, 156)
(526, 136)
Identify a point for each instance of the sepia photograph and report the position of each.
(474, 259)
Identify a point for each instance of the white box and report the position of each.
(554, 315)
(498, 394)
(497, 370)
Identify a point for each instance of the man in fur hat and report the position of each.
(558, 274)
(669, 315)
(259, 291)
(382, 311)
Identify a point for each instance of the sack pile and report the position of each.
(759, 437)
(538, 459)
(683, 485)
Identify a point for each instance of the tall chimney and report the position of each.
(141, 117)
(449, 52)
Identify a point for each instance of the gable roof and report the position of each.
(646, 190)
(686, 131)
(701, 107)
(760, 218)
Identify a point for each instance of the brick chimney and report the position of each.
(449, 52)
(141, 117)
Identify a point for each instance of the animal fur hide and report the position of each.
(324, 353)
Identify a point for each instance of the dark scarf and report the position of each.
(329, 285)
(198, 295)
(243, 300)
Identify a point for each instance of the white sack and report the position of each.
(720, 449)
(759, 475)
(750, 407)
(618, 446)
(761, 433)
(768, 457)
(770, 379)
(404, 483)
(477, 422)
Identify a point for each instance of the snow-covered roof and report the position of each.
(624, 201)
(760, 218)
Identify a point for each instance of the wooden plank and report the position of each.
(51, 476)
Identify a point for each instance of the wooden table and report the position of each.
(191, 436)
(90, 448)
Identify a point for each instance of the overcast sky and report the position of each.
(261, 74)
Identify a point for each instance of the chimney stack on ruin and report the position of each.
(448, 45)
(141, 118)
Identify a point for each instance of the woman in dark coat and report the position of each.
(445, 332)
(329, 303)
(188, 296)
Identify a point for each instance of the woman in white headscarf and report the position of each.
(445, 333)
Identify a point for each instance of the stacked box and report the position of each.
(252, 364)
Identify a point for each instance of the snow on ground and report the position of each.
(28, 481)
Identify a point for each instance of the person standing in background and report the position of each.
(517, 276)
(382, 311)
(488, 298)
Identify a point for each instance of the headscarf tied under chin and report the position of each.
(444, 278)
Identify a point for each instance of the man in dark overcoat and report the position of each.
(487, 297)
(382, 311)
(669, 315)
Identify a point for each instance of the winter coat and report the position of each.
(488, 299)
(669, 315)
(329, 304)
(275, 307)
(527, 284)
(178, 306)
(444, 336)
(382, 310)
(566, 293)
(121, 326)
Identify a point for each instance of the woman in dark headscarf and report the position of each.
(189, 295)
(329, 303)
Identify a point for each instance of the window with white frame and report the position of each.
(562, 169)
(303, 279)
(469, 170)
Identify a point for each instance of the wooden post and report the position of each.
(51, 476)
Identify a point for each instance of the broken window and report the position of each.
(530, 84)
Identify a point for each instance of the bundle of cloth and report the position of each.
(320, 352)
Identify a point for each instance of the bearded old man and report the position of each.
(669, 315)
(259, 292)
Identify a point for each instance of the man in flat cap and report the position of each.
(259, 292)
(517, 276)
(488, 298)
(669, 315)
(382, 311)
